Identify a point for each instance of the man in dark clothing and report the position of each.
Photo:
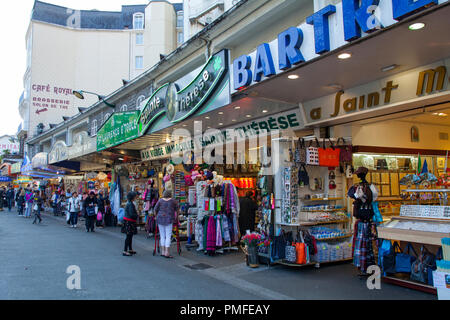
(37, 207)
(89, 204)
(2, 197)
(247, 213)
(10, 198)
(101, 207)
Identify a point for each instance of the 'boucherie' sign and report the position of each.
(327, 29)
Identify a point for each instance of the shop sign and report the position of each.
(289, 120)
(15, 168)
(178, 104)
(408, 87)
(58, 153)
(5, 179)
(40, 160)
(327, 29)
(82, 144)
(119, 128)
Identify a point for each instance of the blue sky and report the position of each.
(14, 20)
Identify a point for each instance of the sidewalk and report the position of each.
(226, 259)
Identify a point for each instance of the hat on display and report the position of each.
(170, 169)
(361, 170)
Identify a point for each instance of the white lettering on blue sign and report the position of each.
(325, 30)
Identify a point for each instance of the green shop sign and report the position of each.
(178, 104)
(119, 128)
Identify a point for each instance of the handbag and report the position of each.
(303, 177)
(403, 261)
(329, 157)
(99, 216)
(384, 248)
(90, 211)
(290, 253)
(420, 267)
(301, 250)
(388, 260)
(346, 154)
(312, 154)
(432, 267)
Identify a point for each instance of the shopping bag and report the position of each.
(403, 261)
(422, 265)
(291, 253)
(329, 157)
(346, 154)
(99, 216)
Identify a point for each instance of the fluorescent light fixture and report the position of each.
(121, 159)
(234, 120)
(248, 116)
(221, 124)
(344, 55)
(207, 118)
(237, 108)
(416, 26)
(389, 68)
(265, 111)
(220, 112)
(293, 76)
(441, 114)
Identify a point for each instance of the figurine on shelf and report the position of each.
(365, 233)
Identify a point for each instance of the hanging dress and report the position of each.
(211, 236)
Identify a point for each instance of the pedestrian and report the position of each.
(68, 194)
(247, 213)
(2, 195)
(55, 198)
(10, 198)
(90, 204)
(21, 201)
(101, 209)
(130, 226)
(166, 210)
(74, 210)
(37, 206)
(28, 202)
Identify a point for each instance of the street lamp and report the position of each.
(80, 95)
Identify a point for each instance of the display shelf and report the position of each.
(410, 284)
(322, 199)
(325, 210)
(313, 223)
(427, 190)
(294, 264)
(340, 260)
(335, 238)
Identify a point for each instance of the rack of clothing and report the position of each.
(217, 226)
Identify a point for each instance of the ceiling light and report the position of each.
(167, 140)
(121, 159)
(185, 125)
(234, 120)
(435, 114)
(207, 118)
(237, 108)
(389, 68)
(293, 77)
(220, 112)
(265, 111)
(344, 55)
(221, 124)
(442, 114)
(248, 116)
(335, 86)
(416, 26)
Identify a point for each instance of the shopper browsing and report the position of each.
(74, 209)
(166, 211)
(129, 226)
(21, 201)
(28, 203)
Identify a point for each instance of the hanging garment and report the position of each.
(363, 247)
(211, 236)
(205, 231)
(218, 231)
(226, 229)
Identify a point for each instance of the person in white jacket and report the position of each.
(74, 209)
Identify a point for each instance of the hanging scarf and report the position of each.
(205, 230)
(218, 232)
(211, 236)
(226, 229)
(235, 230)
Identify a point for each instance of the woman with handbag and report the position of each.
(166, 211)
(37, 206)
(129, 225)
(365, 233)
(89, 204)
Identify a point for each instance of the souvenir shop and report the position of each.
(404, 149)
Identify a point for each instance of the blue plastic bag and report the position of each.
(377, 217)
(121, 215)
(385, 248)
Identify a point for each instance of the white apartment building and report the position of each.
(89, 50)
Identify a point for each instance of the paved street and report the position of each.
(34, 259)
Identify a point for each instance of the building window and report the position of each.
(139, 62)
(138, 21)
(139, 38)
(124, 108)
(180, 37)
(180, 19)
(106, 117)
